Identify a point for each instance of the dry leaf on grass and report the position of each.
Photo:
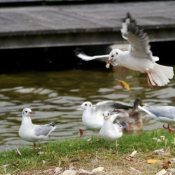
(5, 166)
(166, 164)
(162, 152)
(43, 161)
(98, 169)
(18, 152)
(80, 132)
(123, 84)
(130, 157)
(58, 170)
(152, 161)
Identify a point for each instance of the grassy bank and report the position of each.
(91, 153)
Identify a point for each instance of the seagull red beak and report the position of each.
(31, 112)
(109, 61)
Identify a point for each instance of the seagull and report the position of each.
(31, 132)
(92, 117)
(138, 57)
(164, 114)
(110, 130)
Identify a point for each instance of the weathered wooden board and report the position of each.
(67, 25)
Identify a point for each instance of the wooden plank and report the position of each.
(67, 25)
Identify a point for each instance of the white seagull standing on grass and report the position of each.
(92, 117)
(138, 57)
(110, 130)
(33, 133)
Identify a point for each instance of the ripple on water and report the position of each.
(53, 101)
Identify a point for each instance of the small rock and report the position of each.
(69, 172)
(84, 172)
(98, 169)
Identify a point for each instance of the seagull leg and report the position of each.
(153, 78)
(148, 81)
(34, 145)
(169, 129)
(116, 144)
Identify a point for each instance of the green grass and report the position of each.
(84, 151)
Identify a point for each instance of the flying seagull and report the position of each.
(31, 132)
(138, 57)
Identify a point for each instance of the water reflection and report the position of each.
(54, 96)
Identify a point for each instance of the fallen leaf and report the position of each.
(84, 172)
(80, 132)
(98, 169)
(161, 172)
(88, 140)
(44, 162)
(130, 157)
(133, 153)
(162, 138)
(149, 154)
(18, 152)
(166, 164)
(69, 172)
(162, 152)
(123, 84)
(58, 170)
(4, 166)
(152, 161)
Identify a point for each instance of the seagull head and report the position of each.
(106, 115)
(113, 57)
(27, 112)
(85, 105)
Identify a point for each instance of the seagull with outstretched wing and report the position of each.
(138, 57)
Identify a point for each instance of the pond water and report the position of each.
(54, 96)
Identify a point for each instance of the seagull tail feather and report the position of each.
(161, 75)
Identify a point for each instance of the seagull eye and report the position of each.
(112, 55)
(85, 104)
(116, 53)
(25, 111)
(108, 113)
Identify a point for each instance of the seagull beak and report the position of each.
(79, 108)
(142, 104)
(105, 117)
(31, 113)
(108, 63)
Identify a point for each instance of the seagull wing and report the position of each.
(137, 38)
(88, 58)
(44, 130)
(110, 105)
(160, 113)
